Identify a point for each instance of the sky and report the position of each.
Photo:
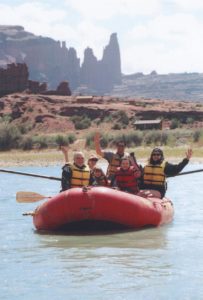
(161, 35)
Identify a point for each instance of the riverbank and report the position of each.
(51, 157)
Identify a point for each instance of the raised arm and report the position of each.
(97, 144)
(174, 169)
(188, 153)
(64, 150)
(133, 159)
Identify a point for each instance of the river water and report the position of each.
(154, 263)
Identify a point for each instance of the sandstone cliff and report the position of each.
(52, 62)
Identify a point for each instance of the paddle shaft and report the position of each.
(59, 179)
(30, 174)
(190, 172)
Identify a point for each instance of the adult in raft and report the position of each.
(98, 176)
(92, 160)
(155, 172)
(113, 158)
(77, 174)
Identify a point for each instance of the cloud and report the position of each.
(105, 9)
(30, 12)
(44, 20)
(89, 35)
(153, 34)
(168, 29)
(166, 44)
(189, 5)
(36, 18)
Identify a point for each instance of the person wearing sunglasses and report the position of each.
(155, 172)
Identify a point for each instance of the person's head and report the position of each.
(125, 163)
(79, 158)
(120, 147)
(157, 156)
(93, 159)
(98, 172)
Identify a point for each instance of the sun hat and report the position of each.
(93, 157)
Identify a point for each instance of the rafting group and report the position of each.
(123, 172)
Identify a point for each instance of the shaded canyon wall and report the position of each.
(52, 62)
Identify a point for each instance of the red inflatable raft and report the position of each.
(101, 204)
(104, 205)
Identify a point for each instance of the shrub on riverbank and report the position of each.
(10, 136)
(13, 138)
(171, 138)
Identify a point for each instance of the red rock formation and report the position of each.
(33, 86)
(63, 89)
(43, 87)
(36, 87)
(13, 79)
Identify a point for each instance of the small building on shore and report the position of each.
(148, 124)
(84, 99)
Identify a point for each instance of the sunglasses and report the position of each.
(156, 154)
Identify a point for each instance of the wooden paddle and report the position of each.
(28, 197)
(30, 174)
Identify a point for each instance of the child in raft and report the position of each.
(126, 176)
(99, 177)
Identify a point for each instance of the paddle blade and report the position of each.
(29, 197)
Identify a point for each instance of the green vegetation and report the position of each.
(121, 117)
(174, 124)
(12, 137)
(116, 126)
(170, 138)
(20, 137)
(196, 136)
(9, 136)
(81, 122)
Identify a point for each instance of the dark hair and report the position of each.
(125, 158)
(156, 150)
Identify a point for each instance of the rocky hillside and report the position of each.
(185, 86)
(55, 114)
